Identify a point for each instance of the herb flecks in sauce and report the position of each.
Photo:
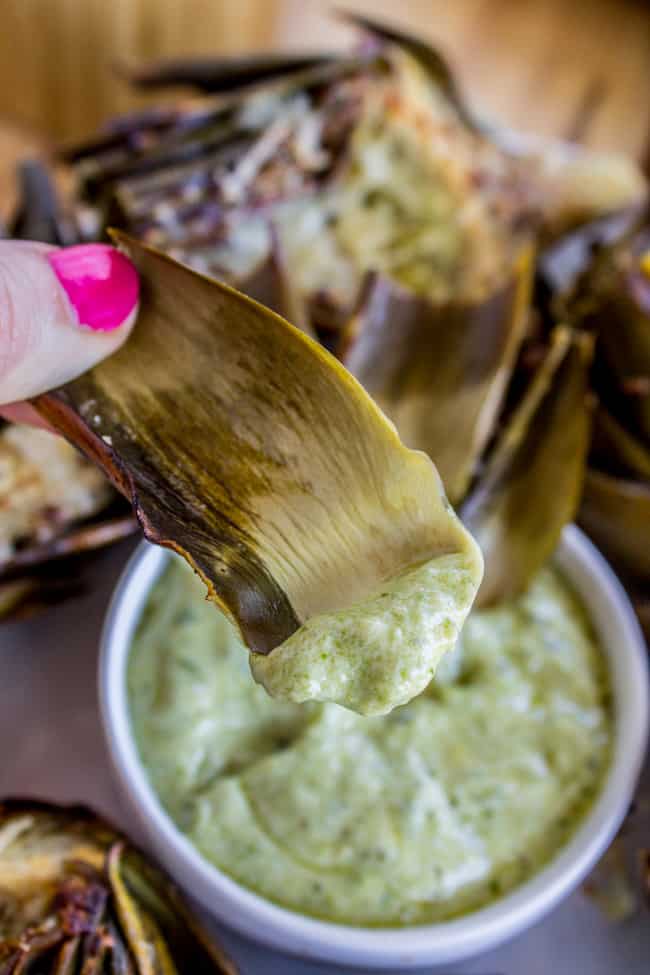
(378, 655)
(418, 816)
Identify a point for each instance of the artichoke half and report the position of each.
(77, 897)
(608, 296)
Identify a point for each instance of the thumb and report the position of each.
(61, 311)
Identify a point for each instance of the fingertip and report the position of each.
(24, 413)
(62, 312)
(101, 283)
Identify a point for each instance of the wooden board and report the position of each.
(16, 142)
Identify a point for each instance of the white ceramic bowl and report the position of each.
(403, 948)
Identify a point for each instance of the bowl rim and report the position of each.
(617, 629)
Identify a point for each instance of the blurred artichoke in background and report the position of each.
(75, 896)
(599, 279)
(54, 505)
(361, 198)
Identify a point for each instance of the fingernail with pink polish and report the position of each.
(101, 283)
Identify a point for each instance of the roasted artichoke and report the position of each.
(76, 896)
(604, 289)
(53, 505)
(362, 198)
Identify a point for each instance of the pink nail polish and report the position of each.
(101, 283)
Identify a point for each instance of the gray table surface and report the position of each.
(51, 746)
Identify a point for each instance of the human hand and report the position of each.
(61, 311)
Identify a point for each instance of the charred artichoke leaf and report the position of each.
(151, 953)
(85, 538)
(616, 514)
(616, 450)
(614, 299)
(27, 595)
(14, 595)
(428, 57)
(561, 264)
(530, 487)
(201, 131)
(223, 74)
(39, 215)
(123, 131)
(201, 136)
(66, 962)
(138, 879)
(440, 371)
(77, 898)
(250, 450)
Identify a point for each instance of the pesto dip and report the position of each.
(418, 816)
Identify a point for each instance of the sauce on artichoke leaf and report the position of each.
(414, 817)
(378, 654)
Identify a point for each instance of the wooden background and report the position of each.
(537, 64)
(532, 61)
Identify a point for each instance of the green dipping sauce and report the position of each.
(417, 816)
(379, 654)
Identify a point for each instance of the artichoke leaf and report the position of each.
(318, 70)
(440, 371)
(223, 74)
(84, 538)
(562, 263)
(15, 596)
(599, 279)
(213, 124)
(530, 486)
(146, 944)
(66, 962)
(40, 215)
(616, 514)
(29, 594)
(271, 284)
(174, 931)
(77, 897)
(122, 132)
(250, 450)
(616, 450)
(200, 137)
(429, 59)
(620, 292)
